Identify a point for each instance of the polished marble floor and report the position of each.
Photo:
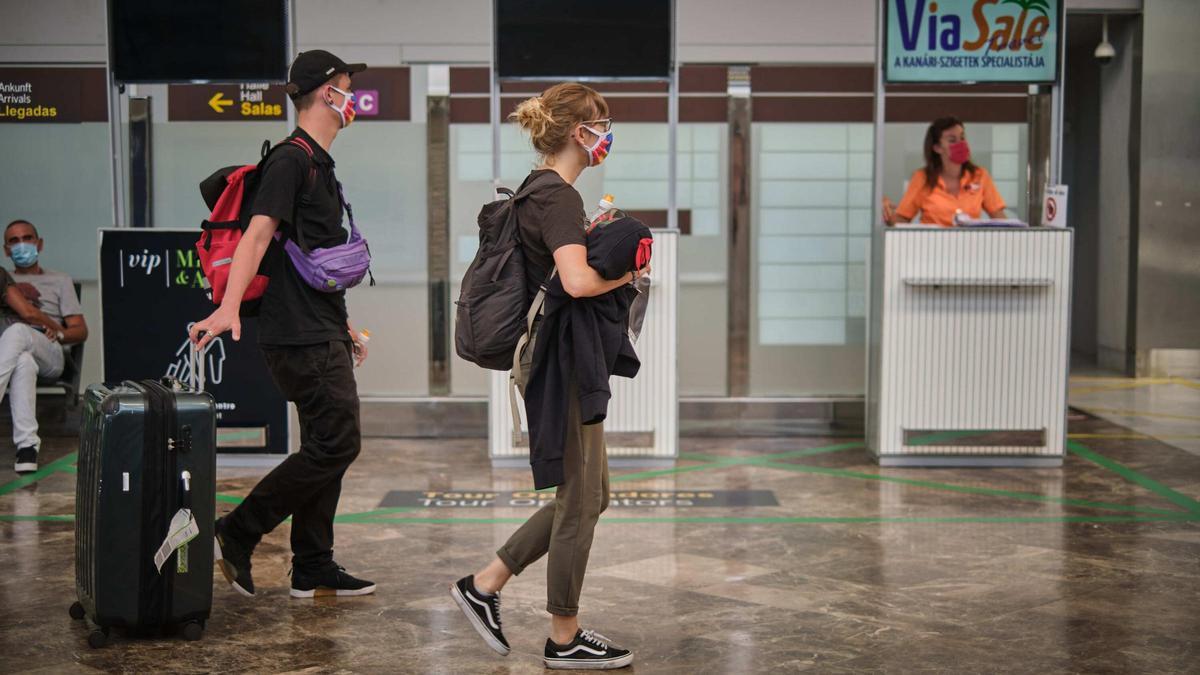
(1094, 568)
(1164, 408)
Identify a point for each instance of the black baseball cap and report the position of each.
(313, 68)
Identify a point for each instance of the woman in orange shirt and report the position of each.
(948, 184)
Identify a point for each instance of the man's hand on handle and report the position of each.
(360, 347)
(246, 259)
(224, 319)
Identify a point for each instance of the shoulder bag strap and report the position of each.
(535, 308)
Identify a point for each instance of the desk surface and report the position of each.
(927, 229)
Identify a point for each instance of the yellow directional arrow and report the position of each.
(216, 102)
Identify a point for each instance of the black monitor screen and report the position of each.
(572, 38)
(216, 40)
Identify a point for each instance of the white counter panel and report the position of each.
(974, 348)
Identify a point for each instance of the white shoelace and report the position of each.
(595, 638)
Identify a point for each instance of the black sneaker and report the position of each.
(483, 611)
(588, 651)
(26, 460)
(330, 582)
(234, 560)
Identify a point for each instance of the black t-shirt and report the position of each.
(292, 312)
(550, 217)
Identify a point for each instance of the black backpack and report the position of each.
(493, 301)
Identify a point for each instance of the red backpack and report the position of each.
(229, 193)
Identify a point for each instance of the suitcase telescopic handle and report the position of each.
(196, 371)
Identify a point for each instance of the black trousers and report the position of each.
(319, 379)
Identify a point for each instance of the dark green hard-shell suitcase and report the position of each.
(147, 456)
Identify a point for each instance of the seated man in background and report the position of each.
(42, 316)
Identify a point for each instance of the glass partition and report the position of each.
(811, 219)
(811, 216)
(636, 174)
(62, 184)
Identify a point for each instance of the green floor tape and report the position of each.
(66, 463)
(1132, 476)
(30, 479)
(966, 489)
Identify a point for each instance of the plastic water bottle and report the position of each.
(364, 336)
(605, 213)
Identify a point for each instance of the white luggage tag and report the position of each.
(183, 529)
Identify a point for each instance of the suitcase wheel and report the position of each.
(192, 631)
(76, 611)
(98, 638)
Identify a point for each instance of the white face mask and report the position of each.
(346, 112)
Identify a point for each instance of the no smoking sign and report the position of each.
(1054, 209)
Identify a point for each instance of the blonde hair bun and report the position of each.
(532, 116)
(551, 117)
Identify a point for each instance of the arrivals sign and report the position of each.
(972, 40)
(53, 95)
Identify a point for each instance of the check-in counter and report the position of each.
(969, 346)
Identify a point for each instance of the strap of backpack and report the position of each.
(309, 183)
(521, 195)
(536, 184)
(539, 302)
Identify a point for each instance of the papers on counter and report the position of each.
(962, 220)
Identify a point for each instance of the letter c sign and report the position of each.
(367, 101)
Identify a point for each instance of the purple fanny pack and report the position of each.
(335, 268)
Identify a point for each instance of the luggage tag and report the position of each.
(183, 529)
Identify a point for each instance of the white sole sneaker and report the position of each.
(589, 664)
(227, 570)
(477, 623)
(322, 592)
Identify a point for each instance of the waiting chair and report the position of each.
(68, 381)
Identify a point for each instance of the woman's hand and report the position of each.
(224, 319)
(889, 212)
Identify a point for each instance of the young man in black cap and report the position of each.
(306, 338)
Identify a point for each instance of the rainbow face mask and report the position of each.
(597, 151)
(346, 111)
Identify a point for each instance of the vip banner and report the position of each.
(151, 293)
(972, 40)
